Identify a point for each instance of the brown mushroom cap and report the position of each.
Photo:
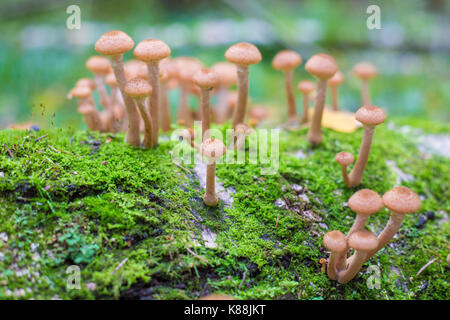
(114, 43)
(138, 88)
(213, 148)
(258, 112)
(151, 50)
(242, 128)
(226, 72)
(344, 158)
(86, 82)
(321, 65)
(401, 200)
(365, 202)
(81, 92)
(336, 80)
(111, 80)
(98, 65)
(363, 240)
(135, 69)
(243, 53)
(365, 70)
(306, 86)
(85, 108)
(206, 78)
(187, 67)
(335, 241)
(286, 60)
(370, 115)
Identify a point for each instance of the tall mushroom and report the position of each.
(287, 61)
(243, 55)
(212, 149)
(365, 71)
(323, 67)
(345, 159)
(370, 117)
(139, 89)
(336, 242)
(151, 51)
(364, 203)
(363, 242)
(206, 79)
(227, 77)
(306, 87)
(334, 82)
(114, 44)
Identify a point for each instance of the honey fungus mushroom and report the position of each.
(336, 242)
(365, 71)
(212, 149)
(345, 159)
(86, 107)
(364, 203)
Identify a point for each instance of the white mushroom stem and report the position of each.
(242, 82)
(315, 131)
(148, 123)
(358, 224)
(365, 96)
(165, 108)
(292, 108)
(204, 101)
(357, 173)
(305, 115)
(336, 262)
(355, 263)
(153, 77)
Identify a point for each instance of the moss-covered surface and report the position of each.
(129, 217)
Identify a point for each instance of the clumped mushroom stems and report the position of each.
(86, 107)
(365, 71)
(152, 51)
(227, 77)
(243, 55)
(114, 44)
(334, 82)
(364, 203)
(345, 159)
(307, 88)
(212, 149)
(336, 242)
(323, 67)
(206, 79)
(287, 61)
(370, 117)
(139, 89)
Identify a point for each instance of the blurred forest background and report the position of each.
(40, 59)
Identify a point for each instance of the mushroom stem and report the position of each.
(148, 123)
(356, 174)
(210, 196)
(222, 104)
(345, 176)
(365, 96)
(358, 224)
(105, 102)
(165, 110)
(355, 263)
(305, 115)
(334, 98)
(153, 77)
(292, 109)
(204, 100)
(315, 132)
(183, 109)
(336, 263)
(132, 137)
(239, 113)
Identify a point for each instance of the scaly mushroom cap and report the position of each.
(81, 92)
(243, 53)
(365, 70)
(258, 112)
(365, 202)
(226, 72)
(138, 88)
(206, 78)
(86, 82)
(322, 66)
(151, 50)
(111, 80)
(187, 67)
(306, 86)
(401, 200)
(98, 65)
(213, 148)
(370, 115)
(114, 43)
(335, 241)
(336, 80)
(363, 240)
(286, 60)
(135, 69)
(344, 158)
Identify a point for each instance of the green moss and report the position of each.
(90, 199)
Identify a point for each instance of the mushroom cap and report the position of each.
(401, 200)
(258, 112)
(81, 92)
(206, 78)
(187, 67)
(365, 202)
(85, 108)
(335, 241)
(242, 128)
(98, 65)
(137, 88)
(226, 72)
(365, 70)
(370, 115)
(336, 80)
(321, 65)
(168, 65)
(243, 53)
(286, 60)
(111, 80)
(151, 50)
(344, 158)
(114, 42)
(306, 86)
(135, 69)
(213, 148)
(86, 82)
(363, 240)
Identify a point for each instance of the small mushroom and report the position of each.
(345, 159)
(363, 242)
(227, 77)
(139, 89)
(323, 67)
(206, 79)
(114, 44)
(258, 112)
(334, 82)
(87, 107)
(364, 203)
(306, 87)
(287, 61)
(241, 132)
(212, 149)
(152, 51)
(365, 71)
(188, 135)
(336, 242)
(243, 55)
(370, 117)
(100, 67)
